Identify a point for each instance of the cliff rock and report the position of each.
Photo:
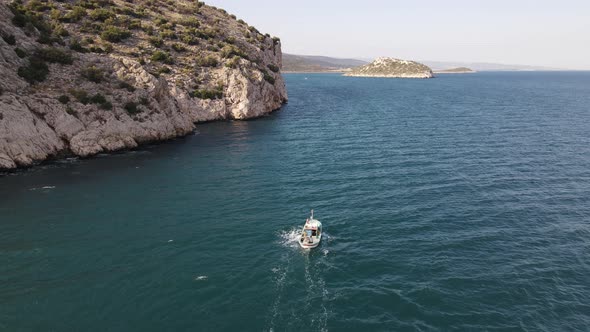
(87, 76)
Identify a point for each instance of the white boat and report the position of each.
(311, 235)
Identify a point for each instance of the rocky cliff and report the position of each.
(82, 77)
(390, 67)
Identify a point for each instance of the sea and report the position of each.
(459, 203)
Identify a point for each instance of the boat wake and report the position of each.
(290, 238)
(294, 267)
(279, 277)
(317, 295)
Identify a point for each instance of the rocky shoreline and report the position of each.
(92, 102)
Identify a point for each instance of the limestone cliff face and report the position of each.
(89, 76)
(394, 68)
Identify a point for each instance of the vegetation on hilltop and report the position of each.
(187, 36)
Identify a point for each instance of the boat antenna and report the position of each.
(311, 213)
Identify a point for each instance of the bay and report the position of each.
(456, 203)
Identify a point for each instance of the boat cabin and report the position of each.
(311, 234)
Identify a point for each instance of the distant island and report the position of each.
(392, 68)
(458, 70)
(295, 63)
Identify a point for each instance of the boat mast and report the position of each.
(311, 213)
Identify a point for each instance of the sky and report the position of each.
(540, 33)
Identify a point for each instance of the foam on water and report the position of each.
(42, 188)
(317, 295)
(290, 238)
(70, 160)
(279, 276)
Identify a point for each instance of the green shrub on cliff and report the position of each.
(190, 22)
(127, 86)
(207, 94)
(268, 77)
(168, 34)
(101, 14)
(63, 99)
(83, 97)
(230, 50)
(156, 41)
(20, 53)
(178, 47)
(75, 45)
(162, 56)
(37, 6)
(131, 108)
(76, 14)
(114, 34)
(93, 74)
(36, 71)
(164, 70)
(97, 99)
(80, 95)
(10, 39)
(24, 17)
(274, 68)
(206, 34)
(215, 93)
(55, 55)
(189, 39)
(208, 61)
(101, 101)
(233, 62)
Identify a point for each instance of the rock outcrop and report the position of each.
(88, 76)
(394, 68)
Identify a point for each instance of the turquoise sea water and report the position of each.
(457, 203)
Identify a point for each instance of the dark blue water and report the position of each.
(458, 203)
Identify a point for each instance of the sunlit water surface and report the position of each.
(457, 203)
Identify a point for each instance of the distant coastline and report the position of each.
(320, 64)
(315, 72)
(459, 70)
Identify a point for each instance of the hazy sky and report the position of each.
(541, 32)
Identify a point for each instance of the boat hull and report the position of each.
(307, 245)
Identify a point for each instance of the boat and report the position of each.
(311, 235)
